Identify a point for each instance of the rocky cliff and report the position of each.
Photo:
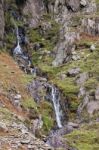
(49, 68)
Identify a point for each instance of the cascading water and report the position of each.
(55, 97)
(17, 50)
(22, 59)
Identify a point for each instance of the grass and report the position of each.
(85, 138)
(47, 116)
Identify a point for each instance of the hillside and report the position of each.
(49, 74)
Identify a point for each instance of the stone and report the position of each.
(75, 57)
(83, 3)
(82, 92)
(73, 5)
(97, 93)
(74, 125)
(82, 78)
(90, 26)
(64, 48)
(62, 76)
(73, 72)
(17, 97)
(92, 107)
(27, 141)
(92, 47)
(3, 127)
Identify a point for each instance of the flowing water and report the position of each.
(24, 59)
(55, 97)
(17, 50)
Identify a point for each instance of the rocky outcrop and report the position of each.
(2, 24)
(91, 26)
(33, 9)
(73, 5)
(19, 137)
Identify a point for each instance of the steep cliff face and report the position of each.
(33, 10)
(1, 22)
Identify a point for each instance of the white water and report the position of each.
(17, 49)
(55, 100)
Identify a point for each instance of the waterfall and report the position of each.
(22, 58)
(55, 97)
(17, 50)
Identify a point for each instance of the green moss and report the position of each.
(5, 114)
(47, 115)
(29, 103)
(85, 138)
(48, 123)
(26, 79)
(91, 84)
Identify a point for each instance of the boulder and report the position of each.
(92, 47)
(97, 93)
(82, 78)
(92, 107)
(73, 5)
(83, 3)
(74, 125)
(3, 127)
(73, 72)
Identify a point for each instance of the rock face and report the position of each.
(74, 5)
(97, 94)
(91, 26)
(34, 10)
(2, 24)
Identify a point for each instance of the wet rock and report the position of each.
(97, 94)
(57, 142)
(73, 72)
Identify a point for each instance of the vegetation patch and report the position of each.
(85, 138)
